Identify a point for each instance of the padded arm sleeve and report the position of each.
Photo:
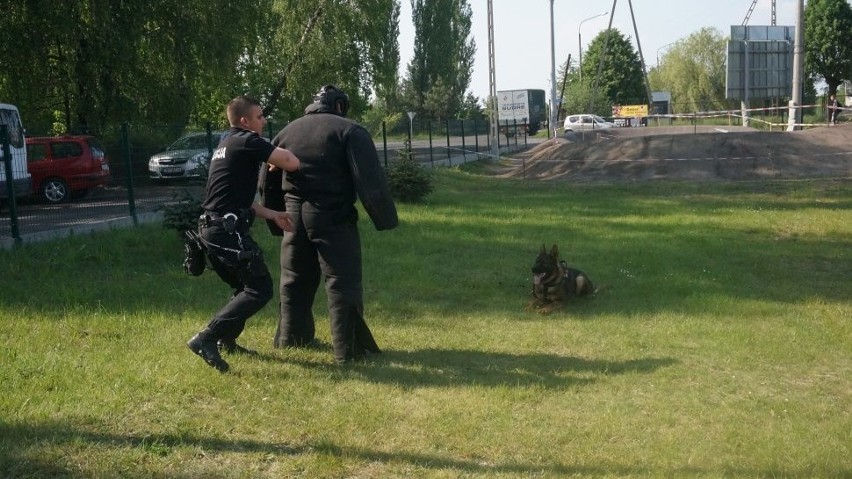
(370, 181)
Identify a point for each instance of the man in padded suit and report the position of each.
(338, 162)
(224, 228)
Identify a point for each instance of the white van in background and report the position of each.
(21, 179)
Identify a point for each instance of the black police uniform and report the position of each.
(224, 229)
(338, 162)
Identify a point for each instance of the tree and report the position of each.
(442, 51)
(828, 50)
(620, 81)
(578, 97)
(305, 44)
(471, 108)
(693, 70)
(96, 63)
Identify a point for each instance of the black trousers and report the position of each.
(325, 243)
(238, 260)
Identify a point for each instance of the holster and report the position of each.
(195, 255)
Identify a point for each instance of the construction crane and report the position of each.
(751, 9)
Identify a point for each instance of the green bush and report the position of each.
(183, 212)
(409, 182)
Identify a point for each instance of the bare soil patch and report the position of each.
(689, 153)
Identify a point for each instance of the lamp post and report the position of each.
(580, 39)
(658, 51)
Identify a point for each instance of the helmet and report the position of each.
(334, 98)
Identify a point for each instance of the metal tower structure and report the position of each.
(751, 9)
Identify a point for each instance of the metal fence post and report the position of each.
(515, 122)
(449, 159)
(431, 151)
(10, 184)
(476, 137)
(409, 135)
(385, 142)
(209, 140)
(464, 148)
(131, 201)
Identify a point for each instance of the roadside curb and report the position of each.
(84, 229)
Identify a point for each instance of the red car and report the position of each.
(62, 165)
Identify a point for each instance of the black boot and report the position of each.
(204, 347)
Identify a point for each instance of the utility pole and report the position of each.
(492, 87)
(551, 123)
(794, 115)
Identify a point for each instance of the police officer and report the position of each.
(339, 162)
(229, 209)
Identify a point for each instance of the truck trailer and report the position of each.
(522, 110)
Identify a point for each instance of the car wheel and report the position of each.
(54, 190)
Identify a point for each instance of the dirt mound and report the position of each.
(702, 153)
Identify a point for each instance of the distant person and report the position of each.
(224, 228)
(834, 108)
(339, 163)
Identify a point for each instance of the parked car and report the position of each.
(188, 157)
(586, 122)
(64, 165)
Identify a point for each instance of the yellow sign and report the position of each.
(629, 111)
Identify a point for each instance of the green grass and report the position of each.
(720, 346)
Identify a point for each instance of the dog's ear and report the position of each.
(554, 251)
(543, 249)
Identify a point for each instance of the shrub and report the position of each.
(409, 182)
(183, 212)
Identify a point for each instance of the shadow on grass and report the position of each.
(22, 444)
(450, 368)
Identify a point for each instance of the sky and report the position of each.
(522, 41)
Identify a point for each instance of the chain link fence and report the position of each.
(144, 174)
(136, 170)
(151, 166)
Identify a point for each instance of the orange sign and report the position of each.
(629, 111)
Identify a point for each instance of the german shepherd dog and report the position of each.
(554, 282)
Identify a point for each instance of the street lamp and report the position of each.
(658, 51)
(580, 39)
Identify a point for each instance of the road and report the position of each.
(101, 209)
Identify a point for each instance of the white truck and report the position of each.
(21, 179)
(524, 109)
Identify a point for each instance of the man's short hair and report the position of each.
(240, 107)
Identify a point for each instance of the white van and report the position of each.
(21, 179)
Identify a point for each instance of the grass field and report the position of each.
(720, 346)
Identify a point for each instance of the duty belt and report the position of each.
(238, 220)
(209, 218)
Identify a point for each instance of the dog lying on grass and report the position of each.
(554, 282)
